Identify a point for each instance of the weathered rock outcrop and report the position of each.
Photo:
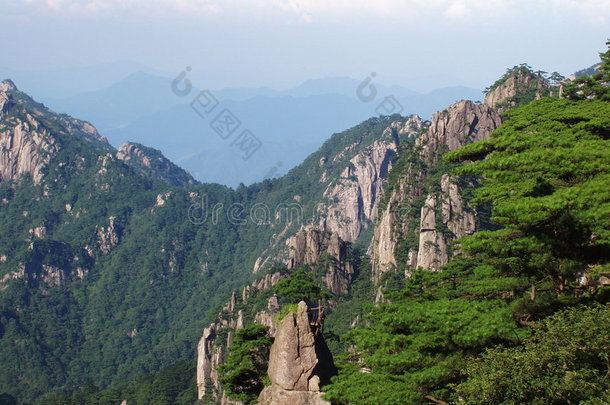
(25, 145)
(26, 142)
(310, 246)
(151, 163)
(502, 96)
(108, 236)
(440, 222)
(299, 363)
(267, 317)
(219, 335)
(52, 264)
(354, 196)
(425, 209)
(6, 87)
(209, 355)
(346, 208)
(314, 246)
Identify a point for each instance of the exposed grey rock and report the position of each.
(212, 347)
(458, 218)
(499, 98)
(309, 245)
(462, 123)
(432, 252)
(355, 195)
(275, 395)
(6, 101)
(268, 316)
(26, 145)
(151, 163)
(108, 236)
(293, 355)
(299, 362)
(47, 275)
(25, 148)
(210, 352)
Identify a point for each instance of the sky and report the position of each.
(421, 44)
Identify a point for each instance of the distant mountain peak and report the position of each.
(151, 163)
(32, 135)
(7, 85)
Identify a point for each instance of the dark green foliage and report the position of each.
(244, 371)
(299, 286)
(566, 361)
(6, 399)
(416, 346)
(530, 85)
(143, 302)
(596, 86)
(172, 385)
(545, 173)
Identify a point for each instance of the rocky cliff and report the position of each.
(219, 335)
(344, 183)
(30, 134)
(309, 247)
(25, 145)
(352, 179)
(518, 86)
(350, 202)
(151, 163)
(424, 210)
(313, 246)
(299, 363)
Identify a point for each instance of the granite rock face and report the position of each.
(500, 98)
(31, 134)
(444, 215)
(299, 363)
(355, 195)
(210, 352)
(308, 246)
(26, 146)
(293, 355)
(312, 245)
(219, 335)
(151, 163)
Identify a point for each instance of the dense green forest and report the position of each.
(521, 314)
(121, 272)
(141, 267)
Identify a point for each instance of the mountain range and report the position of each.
(141, 108)
(430, 259)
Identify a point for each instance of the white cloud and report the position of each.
(412, 11)
(594, 11)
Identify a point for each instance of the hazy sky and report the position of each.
(280, 43)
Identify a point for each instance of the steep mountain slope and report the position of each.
(521, 310)
(418, 210)
(351, 205)
(424, 208)
(110, 273)
(100, 266)
(107, 272)
(110, 267)
(32, 135)
(151, 163)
